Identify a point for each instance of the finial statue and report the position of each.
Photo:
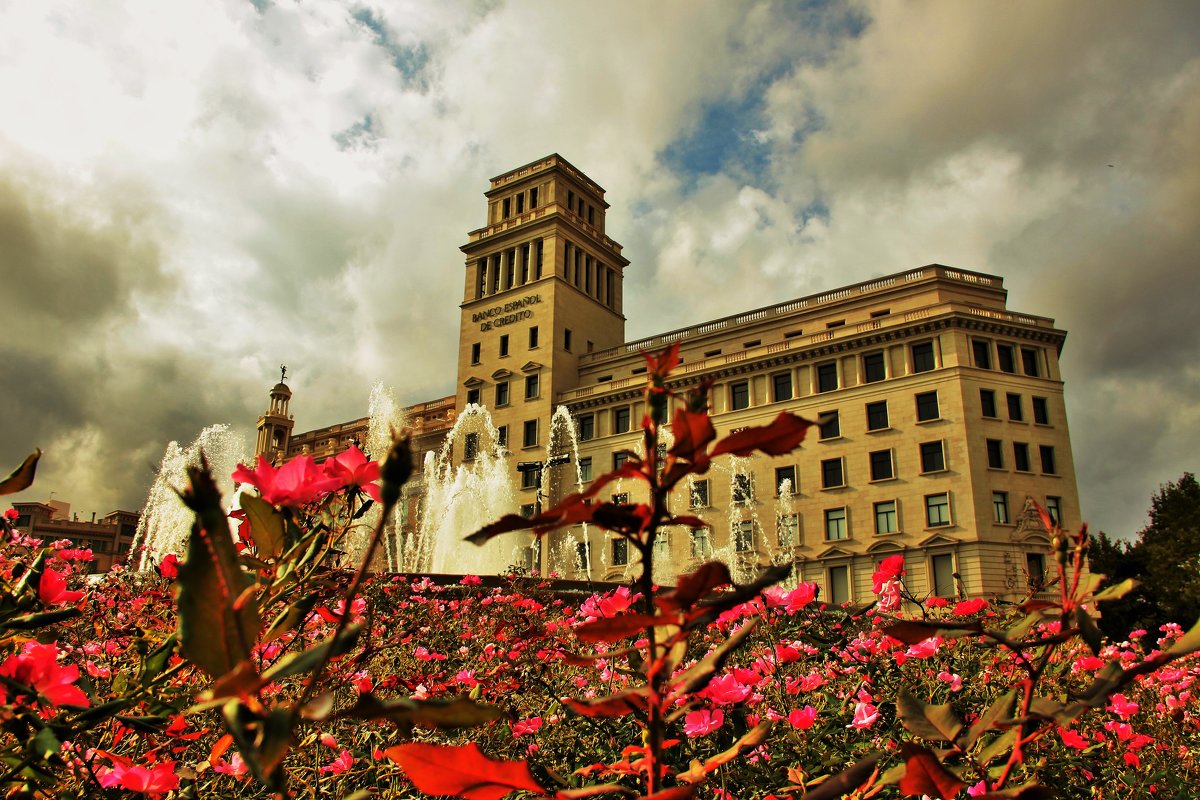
(282, 372)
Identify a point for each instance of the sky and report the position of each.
(194, 192)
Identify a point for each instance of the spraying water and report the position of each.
(385, 416)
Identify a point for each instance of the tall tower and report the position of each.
(275, 426)
(543, 286)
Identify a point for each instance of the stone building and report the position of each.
(941, 411)
(108, 537)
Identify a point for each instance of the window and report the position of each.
(877, 416)
(527, 510)
(827, 379)
(1029, 361)
(619, 459)
(700, 494)
(1054, 509)
(475, 353)
(530, 478)
(471, 446)
(743, 536)
(933, 457)
(533, 337)
(533, 197)
(532, 385)
(788, 530)
(839, 585)
(922, 357)
(927, 406)
(831, 474)
(781, 386)
(881, 465)
(830, 424)
(531, 433)
(585, 469)
(1014, 407)
(987, 403)
(785, 481)
(1035, 566)
(472, 397)
(1000, 507)
(662, 546)
(995, 454)
(504, 345)
(520, 202)
(742, 489)
(873, 368)
(1021, 457)
(739, 395)
(701, 540)
(982, 352)
(502, 393)
(886, 519)
(567, 339)
(1041, 413)
(502, 436)
(1005, 358)
(621, 498)
(506, 213)
(942, 567)
(587, 427)
(1047, 454)
(835, 524)
(621, 419)
(937, 510)
(583, 553)
(620, 552)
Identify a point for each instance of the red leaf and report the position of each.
(925, 775)
(616, 705)
(622, 517)
(693, 431)
(695, 585)
(661, 363)
(915, 631)
(782, 436)
(463, 771)
(674, 793)
(613, 628)
(690, 521)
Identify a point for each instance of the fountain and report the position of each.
(166, 522)
(571, 550)
(385, 417)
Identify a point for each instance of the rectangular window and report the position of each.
(472, 397)
(531, 433)
(942, 567)
(873, 368)
(620, 552)
(839, 585)
(471, 446)
(933, 457)
(743, 536)
(587, 427)
(591, 215)
(1029, 362)
(827, 378)
(527, 510)
(621, 498)
(621, 419)
(502, 436)
(742, 489)
(835, 524)
(585, 469)
(1047, 454)
(937, 510)
(788, 530)
(532, 386)
(877, 416)
(886, 518)
(987, 403)
(1054, 509)
(1006, 358)
(1041, 412)
(619, 459)
(504, 345)
(570, 200)
(831, 474)
(583, 554)
(521, 202)
(507, 208)
(533, 197)
(995, 454)
(700, 494)
(982, 352)
(781, 386)
(922, 357)
(785, 481)
(1000, 507)
(1035, 567)
(475, 352)
(701, 540)
(1015, 412)
(927, 406)
(881, 465)
(739, 395)
(530, 478)
(1021, 457)
(502, 393)
(567, 339)
(830, 424)
(533, 337)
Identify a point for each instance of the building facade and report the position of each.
(109, 537)
(941, 411)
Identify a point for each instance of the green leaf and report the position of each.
(307, 660)
(932, 722)
(1000, 710)
(1116, 591)
(266, 525)
(999, 746)
(40, 619)
(263, 740)
(21, 478)
(1088, 630)
(845, 781)
(290, 617)
(46, 745)
(156, 660)
(458, 712)
(96, 714)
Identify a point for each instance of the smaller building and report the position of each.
(109, 537)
